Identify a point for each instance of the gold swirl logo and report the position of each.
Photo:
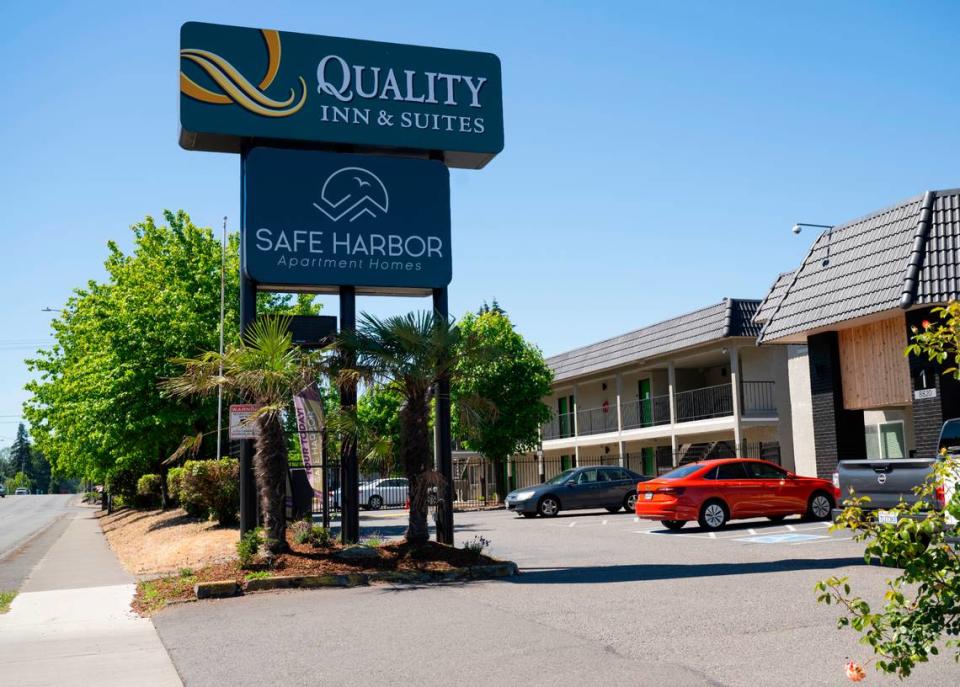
(236, 88)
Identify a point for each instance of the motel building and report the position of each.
(693, 387)
(844, 317)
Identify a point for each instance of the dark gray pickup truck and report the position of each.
(889, 481)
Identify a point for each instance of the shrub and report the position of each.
(211, 487)
(174, 481)
(248, 546)
(320, 536)
(301, 531)
(148, 491)
(122, 482)
(477, 545)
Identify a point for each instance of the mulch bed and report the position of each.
(306, 559)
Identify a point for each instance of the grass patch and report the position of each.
(258, 575)
(154, 594)
(6, 598)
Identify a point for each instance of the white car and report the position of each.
(21, 491)
(378, 493)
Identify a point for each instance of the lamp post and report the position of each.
(798, 227)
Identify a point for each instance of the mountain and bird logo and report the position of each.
(353, 192)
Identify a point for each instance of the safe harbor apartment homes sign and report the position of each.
(241, 83)
(317, 218)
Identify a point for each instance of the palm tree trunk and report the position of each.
(417, 460)
(270, 467)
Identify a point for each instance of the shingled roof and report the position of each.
(772, 299)
(901, 256)
(730, 317)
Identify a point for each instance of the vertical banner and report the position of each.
(309, 408)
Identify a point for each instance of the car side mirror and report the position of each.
(791, 475)
(570, 482)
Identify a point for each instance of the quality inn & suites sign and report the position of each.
(238, 84)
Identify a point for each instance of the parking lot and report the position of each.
(602, 599)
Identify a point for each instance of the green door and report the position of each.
(649, 464)
(565, 408)
(646, 404)
(565, 463)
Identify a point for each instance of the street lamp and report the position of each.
(798, 227)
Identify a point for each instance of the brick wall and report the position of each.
(837, 433)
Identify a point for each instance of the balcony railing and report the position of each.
(757, 398)
(647, 412)
(705, 403)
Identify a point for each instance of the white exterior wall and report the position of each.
(801, 410)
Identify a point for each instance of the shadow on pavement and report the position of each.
(659, 571)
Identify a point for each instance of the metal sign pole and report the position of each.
(444, 442)
(248, 489)
(349, 474)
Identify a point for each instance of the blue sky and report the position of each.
(656, 155)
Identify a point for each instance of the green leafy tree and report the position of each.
(378, 421)
(921, 608)
(21, 452)
(94, 408)
(409, 353)
(21, 479)
(511, 374)
(266, 368)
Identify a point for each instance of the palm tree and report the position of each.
(266, 369)
(409, 353)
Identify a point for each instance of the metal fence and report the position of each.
(475, 477)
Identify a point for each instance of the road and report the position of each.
(36, 519)
(603, 599)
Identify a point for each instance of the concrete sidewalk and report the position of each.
(71, 623)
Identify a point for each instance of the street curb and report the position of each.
(226, 588)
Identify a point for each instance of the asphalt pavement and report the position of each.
(602, 599)
(29, 525)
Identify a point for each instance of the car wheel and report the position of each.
(673, 525)
(612, 509)
(549, 506)
(375, 502)
(713, 515)
(776, 518)
(630, 502)
(819, 507)
(529, 515)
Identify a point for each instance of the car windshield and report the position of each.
(562, 477)
(682, 471)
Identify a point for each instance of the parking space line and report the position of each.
(791, 528)
(572, 523)
(604, 522)
(713, 535)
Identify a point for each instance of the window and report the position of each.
(731, 471)
(683, 471)
(764, 471)
(885, 440)
(587, 476)
(617, 474)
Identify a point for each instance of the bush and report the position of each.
(301, 531)
(320, 536)
(122, 483)
(174, 482)
(211, 487)
(248, 546)
(148, 491)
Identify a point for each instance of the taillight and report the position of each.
(940, 495)
(673, 491)
(836, 485)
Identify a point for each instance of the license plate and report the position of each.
(886, 517)
(648, 495)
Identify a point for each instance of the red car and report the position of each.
(716, 491)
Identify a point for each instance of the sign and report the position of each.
(925, 393)
(313, 219)
(240, 427)
(308, 406)
(240, 83)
